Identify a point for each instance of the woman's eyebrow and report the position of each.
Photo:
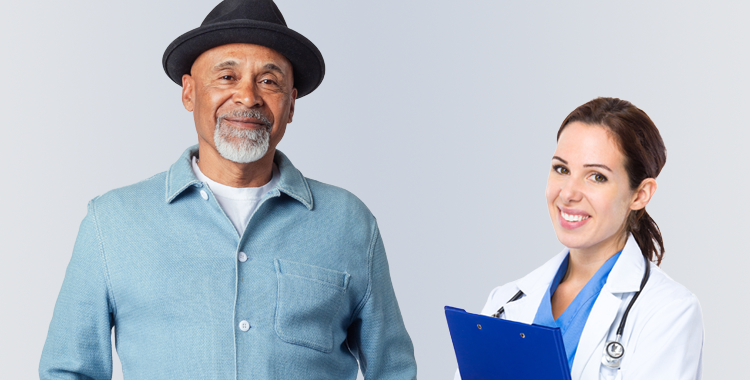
(586, 165)
(598, 166)
(560, 159)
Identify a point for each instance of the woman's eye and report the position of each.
(598, 178)
(561, 169)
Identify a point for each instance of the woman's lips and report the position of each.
(572, 219)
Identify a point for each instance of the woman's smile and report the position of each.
(572, 219)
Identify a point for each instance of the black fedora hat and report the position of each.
(256, 22)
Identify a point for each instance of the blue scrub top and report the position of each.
(573, 319)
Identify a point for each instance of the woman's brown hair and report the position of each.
(645, 156)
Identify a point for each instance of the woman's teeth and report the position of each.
(573, 218)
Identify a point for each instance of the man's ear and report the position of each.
(188, 92)
(643, 194)
(291, 106)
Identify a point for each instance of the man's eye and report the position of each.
(227, 77)
(267, 81)
(561, 169)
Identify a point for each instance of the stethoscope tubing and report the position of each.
(646, 275)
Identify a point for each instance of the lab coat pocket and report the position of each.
(606, 373)
(308, 300)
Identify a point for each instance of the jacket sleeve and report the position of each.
(377, 335)
(78, 343)
(670, 346)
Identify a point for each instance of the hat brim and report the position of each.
(306, 60)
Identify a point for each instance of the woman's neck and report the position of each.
(582, 266)
(584, 262)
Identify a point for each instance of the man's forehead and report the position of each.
(236, 55)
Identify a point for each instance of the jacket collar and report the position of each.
(291, 182)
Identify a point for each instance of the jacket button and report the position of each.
(244, 325)
(204, 194)
(242, 257)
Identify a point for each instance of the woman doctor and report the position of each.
(601, 178)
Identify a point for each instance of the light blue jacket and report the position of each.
(160, 264)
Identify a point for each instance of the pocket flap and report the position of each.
(328, 276)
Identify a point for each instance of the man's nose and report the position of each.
(246, 93)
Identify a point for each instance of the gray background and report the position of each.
(440, 115)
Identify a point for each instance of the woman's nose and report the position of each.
(570, 191)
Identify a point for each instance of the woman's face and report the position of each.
(588, 192)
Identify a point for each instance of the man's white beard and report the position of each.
(242, 145)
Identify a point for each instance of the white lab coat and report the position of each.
(663, 336)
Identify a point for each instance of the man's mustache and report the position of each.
(251, 113)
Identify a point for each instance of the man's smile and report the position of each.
(245, 122)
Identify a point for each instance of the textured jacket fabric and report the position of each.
(159, 263)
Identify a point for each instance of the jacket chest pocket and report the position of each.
(308, 300)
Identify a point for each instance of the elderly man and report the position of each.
(231, 264)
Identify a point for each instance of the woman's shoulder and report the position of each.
(662, 291)
(666, 318)
(665, 307)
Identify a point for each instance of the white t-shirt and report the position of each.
(238, 203)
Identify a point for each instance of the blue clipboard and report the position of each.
(488, 348)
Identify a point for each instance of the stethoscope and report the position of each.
(613, 349)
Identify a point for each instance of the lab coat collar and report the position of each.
(627, 274)
(534, 286)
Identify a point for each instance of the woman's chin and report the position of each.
(573, 240)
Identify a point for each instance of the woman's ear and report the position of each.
(643, 194)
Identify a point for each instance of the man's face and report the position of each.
(242, 98)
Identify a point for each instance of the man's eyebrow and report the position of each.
(225, 65)
(272, 66)
(560, 159)
(598, 166)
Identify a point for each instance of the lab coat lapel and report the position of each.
(534, 287)
(597, 327)
(524, 310)
(625, 277)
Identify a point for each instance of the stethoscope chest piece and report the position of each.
(613, 352)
